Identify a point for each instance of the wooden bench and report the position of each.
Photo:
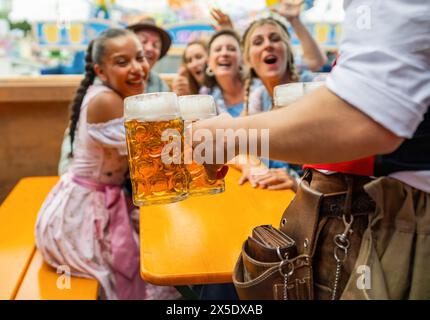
(42, 282)
(23, 274)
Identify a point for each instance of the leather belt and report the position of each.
(333, 205)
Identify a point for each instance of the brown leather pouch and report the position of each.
(298, 261)
(268, 263)
(269, 244)
(257, 280)
(261, 273)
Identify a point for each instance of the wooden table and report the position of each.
(198, 240)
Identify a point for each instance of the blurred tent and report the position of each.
(45, 10)
(68, 24)
(165, 11)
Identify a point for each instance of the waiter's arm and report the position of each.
(319, 128)
(376, 96)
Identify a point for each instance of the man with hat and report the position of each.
(156, 42)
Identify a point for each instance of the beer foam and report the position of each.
(152, 106)
(286, 94)
(195, 107)
(311, 86)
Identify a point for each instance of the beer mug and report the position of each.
(194, 108)
(154, 134)
(286, 94)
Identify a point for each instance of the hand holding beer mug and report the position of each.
(286, 94)
(154, 134)
(194, 108)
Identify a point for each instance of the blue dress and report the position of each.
(235, 110)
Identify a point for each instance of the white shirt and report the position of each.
(384, 67)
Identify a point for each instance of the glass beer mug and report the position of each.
(153, 125)
(286, 94)
(194, 108)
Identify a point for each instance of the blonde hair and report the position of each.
(246, 44)
(194, 85)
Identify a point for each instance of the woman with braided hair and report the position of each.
(85, 222)
(268, 53)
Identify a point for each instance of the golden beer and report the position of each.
(194, 108)
(155, 180)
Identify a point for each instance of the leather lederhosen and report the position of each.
(315, 217)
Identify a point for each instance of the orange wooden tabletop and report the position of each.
(198, 240)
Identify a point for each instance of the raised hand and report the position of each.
(223, 20)
(289, 9)
(180, 84)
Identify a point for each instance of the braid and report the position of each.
(95, 52)
(247, 85)
(291, 66)
(75, 108)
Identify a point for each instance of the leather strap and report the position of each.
(300, 219)
(333, 205)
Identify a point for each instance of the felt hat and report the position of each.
(149, 24)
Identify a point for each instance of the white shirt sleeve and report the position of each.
(384, 64)
(110, 134)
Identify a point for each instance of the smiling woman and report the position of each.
(86, 214)
(124, 67)
(224, 75)
(268, 53)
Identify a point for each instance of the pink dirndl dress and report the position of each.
(86, 222)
